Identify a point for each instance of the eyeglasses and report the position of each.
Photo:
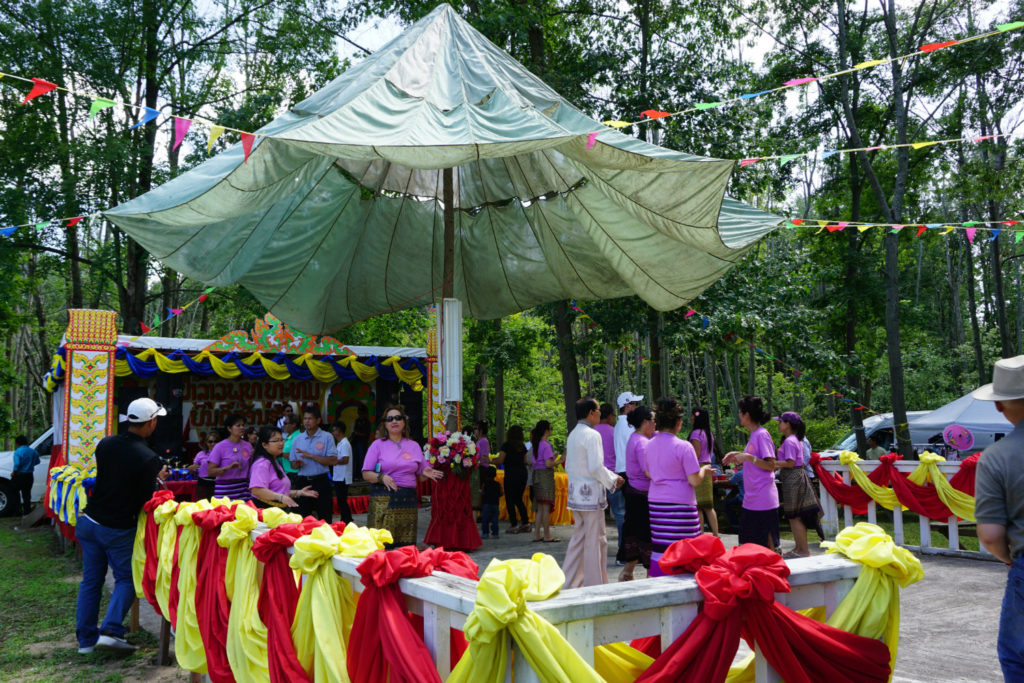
(276, 441)
(394, 418)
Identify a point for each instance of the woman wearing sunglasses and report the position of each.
(392, 465)
(268, 482)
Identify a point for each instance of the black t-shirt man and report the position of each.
(126, 472)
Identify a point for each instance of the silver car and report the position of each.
(8, 496)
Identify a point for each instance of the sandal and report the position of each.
(512, 530)
(536, 540)
(551, 540)
(793, 555)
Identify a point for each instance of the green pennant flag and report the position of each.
(786, 158)
(42, 225)
(157, 321)
(208, 290)
(707, 105)
(970, 224)
(99, 104)
(1009, 27)
(1019, 236)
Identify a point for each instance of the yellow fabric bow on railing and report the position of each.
(883, 495)
(246, 646)
(360, 541)
(188, 643)
(326, 608)
(501, 611)
(275, 517)
(961, 504)
(872, 607)
(164, 516)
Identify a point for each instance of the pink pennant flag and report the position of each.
(655, 114)
(970, 234)
(689, 313)
(749, 162)
(74, 221)
(982, 138)
(592, 139)
(897, 228)
(177, 311)
(843, 224)
(801, 81)
(247, 140)
(39, 87)
(932, 47)
(181, 127)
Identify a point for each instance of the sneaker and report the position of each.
(114, 644)
(87, 650)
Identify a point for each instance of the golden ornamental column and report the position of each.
(89, 414)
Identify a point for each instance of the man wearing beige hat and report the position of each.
(999, 507)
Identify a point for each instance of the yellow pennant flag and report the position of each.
(949, 229)
(618, 124)
(919, 145)
(215, 132)
(869, 63)
(862, 228)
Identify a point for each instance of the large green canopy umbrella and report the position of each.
(338, 213)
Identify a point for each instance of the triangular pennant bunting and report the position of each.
(181, 127)
(655, 114)
(39, 87)
(800, 81)
(706, 105)
(247, 140)
(74, 221)
(618, 124)
(147, 116)
(970, 234)
(215, 132)
(99, 104)
(591, 139)
(7, 232)
(932, 47)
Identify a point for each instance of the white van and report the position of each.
(8, 496)
(880, 427)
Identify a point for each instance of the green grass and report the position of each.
(38, 592)
(911, 530)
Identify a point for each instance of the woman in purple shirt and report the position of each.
(703, 443)
(392, 465)
(636, 527)
(544, 462)
(759, 518)
(268, 482)
(799, 503)
(229, 461)
(201, 465)
(674, 471)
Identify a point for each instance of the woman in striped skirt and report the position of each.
(229, 462)
(674, 473)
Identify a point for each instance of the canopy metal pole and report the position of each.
(448, 284)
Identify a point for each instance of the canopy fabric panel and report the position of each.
(336, 215)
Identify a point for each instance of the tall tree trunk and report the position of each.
(730, 386)
(567, 362)
(480, 392)
(712, 383)
(654, 341)
(979, 360)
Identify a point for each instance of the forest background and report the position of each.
(890, 320)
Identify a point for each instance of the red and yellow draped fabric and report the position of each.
(212, 606)
(147, 550)
(188, 642)
(739, 589)
(501, 612)
(247, 636)
(167, 541)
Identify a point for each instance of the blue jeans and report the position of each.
(1010, 644)
(489, 519)
(103, 546)
(617, 505)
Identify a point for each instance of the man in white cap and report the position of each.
(126, 475)
(999, 507)
(627, 401)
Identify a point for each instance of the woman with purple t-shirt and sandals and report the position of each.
(704, 443)
(759, 518)
(268, 482)
(674, 473)
(392, 465)
(544, 462)
(799, 503)
(636, 527)
(229, 461)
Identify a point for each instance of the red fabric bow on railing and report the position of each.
(963, 480)
(279, 594)
(212, 607)
(152, 530)
(739, 589)
(388, 645)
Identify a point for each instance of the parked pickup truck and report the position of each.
(8, 496)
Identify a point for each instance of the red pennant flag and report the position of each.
(74, 221)
(39, 87)
(747, 162)
(1010, 222)
(798, 221)
(983, 137)
(145, 328)
(832, 228)
(655, 114)
(202, 297)
(247, 140)
(861, 408)
(920, 229)
(932, 47)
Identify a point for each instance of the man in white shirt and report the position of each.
(586, 558)
(313, 454)
(627, 401)
(341, 473)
